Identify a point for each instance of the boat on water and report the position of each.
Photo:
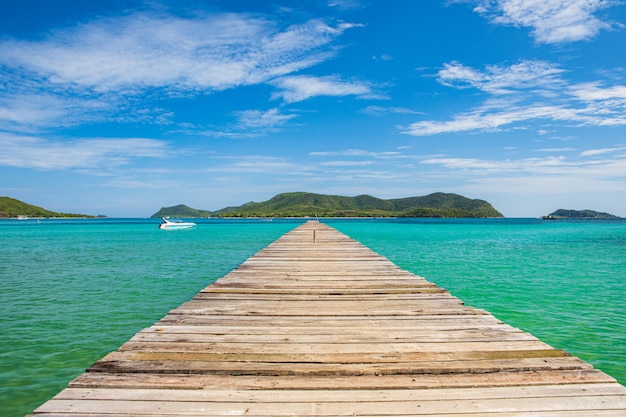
(175, 224)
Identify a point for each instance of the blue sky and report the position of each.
(123, 107)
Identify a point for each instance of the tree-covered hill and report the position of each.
(579, 214)
(302, 204)
(10, 207)
(181, 210)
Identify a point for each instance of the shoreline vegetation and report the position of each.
(309, 205)
(12, 208)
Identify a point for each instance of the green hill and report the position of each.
(10, 207)
(579, 214)
(181, 210)
(301, 204)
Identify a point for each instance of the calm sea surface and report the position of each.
(74, 290)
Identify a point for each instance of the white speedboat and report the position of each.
(175, 224)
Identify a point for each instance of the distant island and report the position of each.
(10, 207)
(302, 204)
(562, 214)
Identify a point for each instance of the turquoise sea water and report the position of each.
(74, 290)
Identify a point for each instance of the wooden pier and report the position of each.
(316, 324)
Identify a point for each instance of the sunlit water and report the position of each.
(73, 291)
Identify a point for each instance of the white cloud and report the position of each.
(536, 75)
(551, 21)
(263, 119)
(380, 110)
(383, 57)
(549, 175)
(559, 150)
(143, 51)
(30, 110)
(524, 92)
(86, 72)
(356, 153)
(346, 163)
(302, 87)
(345, 4)
(594, 152)
(482, 167)
(259, 164)
(594, 92)
(482, 121)
(93, 153)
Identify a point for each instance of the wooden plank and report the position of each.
(423, 337)
(339, 396)
(343, 358)
(181, 344)
(425, 407)
(115, 362)
(368, 382)
(382, 322)
(327, 327)
(575, 413)
(425, 329)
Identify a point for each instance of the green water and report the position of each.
(73, 291)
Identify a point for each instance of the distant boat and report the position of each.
(172, 224)
(22, 217)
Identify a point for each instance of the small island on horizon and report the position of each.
(564, 214)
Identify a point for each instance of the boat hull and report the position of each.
(170, 225)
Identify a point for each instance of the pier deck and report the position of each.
(316, 324)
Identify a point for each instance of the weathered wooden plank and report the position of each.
(399, 332)
(415, 296)
(307, 308)
(345, 358)
(382, 322)
(116, 362)
(327, 327)
(424, 337)
(323, 348)
(574, 413)
(340, 396)
(367, 382)
(425, 407)
(437, 302)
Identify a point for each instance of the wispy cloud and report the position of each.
(550, 175)
(594, 91)
(95, 154)
(527, 91)
(499, 80)
(381, 110)
(550, 21)
(302, 87)
(383, 57)
(356, 153)
(345, 4)
(259, 164)
(480, 120)
(594, 152)
(99, 64)
(346, 163)
(262, 119)
(153, 51)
